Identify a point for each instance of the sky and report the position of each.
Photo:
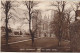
(44, 6)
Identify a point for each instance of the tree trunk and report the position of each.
(6, 29)
(75, 16)
(59, 42)
(50, 34)
(32, 36)
(31, 33)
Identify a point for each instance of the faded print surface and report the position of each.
(40, 26)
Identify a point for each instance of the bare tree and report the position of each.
(6, 7)
(67, 22)
(58, 23)
(36, 22)
(30, 5)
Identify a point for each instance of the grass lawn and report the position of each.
(43, 43)
(14, 39)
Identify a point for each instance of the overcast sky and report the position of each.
(44, 6)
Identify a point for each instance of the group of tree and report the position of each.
(8, 5)
(61, 21)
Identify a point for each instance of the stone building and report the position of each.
(3, 32)
(45, 26)
(36, 23)
(40, 24)
(12, 32)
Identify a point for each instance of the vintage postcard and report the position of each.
(40, 26)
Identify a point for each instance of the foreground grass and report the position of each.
(42, 43)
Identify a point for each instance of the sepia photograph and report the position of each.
(40, 26)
